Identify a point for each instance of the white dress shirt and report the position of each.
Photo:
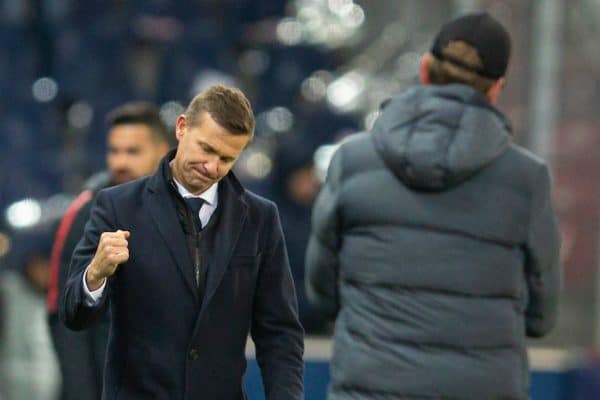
(211, 199)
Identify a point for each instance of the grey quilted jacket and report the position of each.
(435, 245)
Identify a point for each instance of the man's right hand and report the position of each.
(112, 251)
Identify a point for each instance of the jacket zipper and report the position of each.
(197, 259)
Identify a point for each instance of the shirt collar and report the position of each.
(209, 195)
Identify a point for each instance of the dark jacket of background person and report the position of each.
(435, 243)
(294, 188)
(81, 354)
(166, 342)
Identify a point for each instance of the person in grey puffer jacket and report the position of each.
(434, 241)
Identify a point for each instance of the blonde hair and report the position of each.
(228, 106)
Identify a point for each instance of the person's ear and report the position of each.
(494, 92)
(424, 69)
(180, 126)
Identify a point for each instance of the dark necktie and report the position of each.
(195, 204)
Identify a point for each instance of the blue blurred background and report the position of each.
(315, 71)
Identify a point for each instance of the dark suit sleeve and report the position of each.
(543, 270)
(322, 261)
(74, 308)
(71, 240)
(276, 330)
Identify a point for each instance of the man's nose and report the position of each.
(121, 160)
(212, 167)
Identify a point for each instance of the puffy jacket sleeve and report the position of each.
(322, 259)
(543, 270)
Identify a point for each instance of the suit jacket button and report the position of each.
(193, 355)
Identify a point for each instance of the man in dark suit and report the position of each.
(189, 263)
(137, 140)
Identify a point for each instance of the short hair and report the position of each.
(141, 112)
(460, 63)
(228, 106)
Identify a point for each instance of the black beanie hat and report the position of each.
(485, 34)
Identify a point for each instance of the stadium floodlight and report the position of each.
(24, 213)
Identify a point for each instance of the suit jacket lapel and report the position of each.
(233, 215)
(161, 208)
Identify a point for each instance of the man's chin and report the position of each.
(198, 185)
(118, 180)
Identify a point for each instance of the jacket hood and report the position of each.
(434, 137)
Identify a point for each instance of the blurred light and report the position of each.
(340, 7)
(329, 23)
(370, 119)
(44, 89)
(80, 115)
(344, 92)
(322, 159)
(280, 119)
(259, 165)
(314, 22)
(313, 88)
(289, 31)
(209, 77)
(335, 34)
(170, 111)
(4, 244)
(24, 213)
(323, 34)
(261, 128)
(355, 17)
(310, 15)
(324, 75)
(254, 62)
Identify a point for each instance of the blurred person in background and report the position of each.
(435, 242)
(136, 141)
(294, 188)
(28, 365)
(190, 263)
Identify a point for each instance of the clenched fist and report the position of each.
(112, 250)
